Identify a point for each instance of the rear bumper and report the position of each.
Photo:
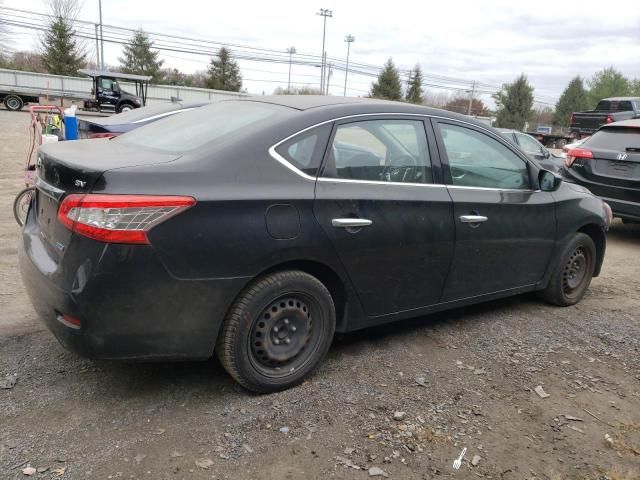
(129, 306)
(624, 202)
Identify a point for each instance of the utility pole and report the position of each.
(349, 39)
(290, 51)
(324, 13)
(101, 37)
(97, 49)
(329, 73)
(473, 91)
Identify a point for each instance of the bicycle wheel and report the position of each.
(21, 205)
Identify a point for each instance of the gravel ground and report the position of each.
(399, 401)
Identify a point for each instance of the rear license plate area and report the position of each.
(47, 211)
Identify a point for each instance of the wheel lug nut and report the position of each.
(276, 341)
(276, 329)
(287, 341)
(293, 328)
(286, 321)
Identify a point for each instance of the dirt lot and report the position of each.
(462, 379)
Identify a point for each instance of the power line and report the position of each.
(187, 45)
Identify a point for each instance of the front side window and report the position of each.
(477, 160)
(529, 145)
(381, 151)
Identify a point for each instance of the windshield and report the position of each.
(193, 129)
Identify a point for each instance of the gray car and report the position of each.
(534, 149)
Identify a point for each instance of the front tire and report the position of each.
(277, 331)
(572, 276)
(125, 107)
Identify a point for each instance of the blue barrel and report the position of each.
(71, 128)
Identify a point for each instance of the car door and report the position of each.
(505, 230)
(380, 202)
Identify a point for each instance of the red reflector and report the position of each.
(609, 119)
(102, 135)
(69, 321)
(119, 218)
(576, 153)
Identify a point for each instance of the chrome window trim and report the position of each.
(279, 158)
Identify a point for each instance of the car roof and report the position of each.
(634, 123)
(618, 99)
(507, 130)
(334, 107)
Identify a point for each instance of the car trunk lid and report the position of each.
(77, 167)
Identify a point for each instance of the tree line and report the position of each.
(60, 53)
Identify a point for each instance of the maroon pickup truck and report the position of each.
(608, 110)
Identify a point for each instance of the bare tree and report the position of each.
(66, 9)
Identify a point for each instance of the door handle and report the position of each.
(351, 222)
(473, 218)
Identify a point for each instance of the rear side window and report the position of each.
(210, 124)
(305, 151)
(619, 139)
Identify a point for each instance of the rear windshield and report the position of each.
(616, 138)
(614, 106)
(193, 129)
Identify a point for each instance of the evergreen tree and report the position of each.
(573, 99)
(388, 85)
(514, 104)
(607, 83)
(414, 86)
(61, 54)
(224, 72)
(139, 58)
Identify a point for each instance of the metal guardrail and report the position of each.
(58, 86)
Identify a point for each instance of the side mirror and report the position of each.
(549, 182)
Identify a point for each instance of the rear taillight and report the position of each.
(575, 153)
(119, 218)
(102, 135)
(609, 119)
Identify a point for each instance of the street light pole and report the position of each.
(290, 51)
(101, 36)
(349, 39)
(324, 13)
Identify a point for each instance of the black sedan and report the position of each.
(259, 227)
(608, 164)
(114, 125)
(532, 147)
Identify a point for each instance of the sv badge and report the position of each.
(622, 156)
(80, 183)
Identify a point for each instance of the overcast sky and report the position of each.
(491, 41)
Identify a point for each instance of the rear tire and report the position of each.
(21, 205)
(277, 331)
(13, 103)
(572, 276)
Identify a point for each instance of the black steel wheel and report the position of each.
(572, 276)
(21, 205)
(277, 331)
(13, 103)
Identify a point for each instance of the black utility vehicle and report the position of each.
(607, 111)
(608, 164)
(257, 228)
